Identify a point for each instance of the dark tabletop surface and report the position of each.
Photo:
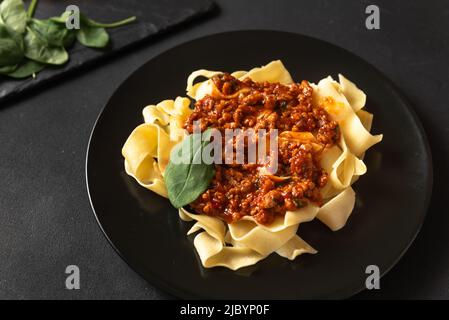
(46, 222)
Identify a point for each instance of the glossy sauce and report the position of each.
(305, 130)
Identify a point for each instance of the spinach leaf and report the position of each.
(92, 36)
(38, 49)
(31, 8)
(14, 15)
(119, 23)
(92, 33)
(88, 35)
(185, 182)
(54, 33)
(62, 18)
(8, 69)
(69, 38)
(10, 49)
(25, 69)
(28, 44)
(92, 23)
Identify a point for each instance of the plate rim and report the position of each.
(346, 292)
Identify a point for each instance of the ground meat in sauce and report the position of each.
(238, 190)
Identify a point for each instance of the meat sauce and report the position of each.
(240, 189)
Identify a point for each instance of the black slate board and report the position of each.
(153, 17)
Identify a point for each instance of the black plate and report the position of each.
(392, 198)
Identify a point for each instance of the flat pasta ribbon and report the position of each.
(247, 242)
(330, 94)
(147, 149)
(272, 72)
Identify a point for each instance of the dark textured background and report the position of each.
(46, 222)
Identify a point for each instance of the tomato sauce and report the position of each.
(305, 130)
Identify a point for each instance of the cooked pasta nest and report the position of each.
(245, 242)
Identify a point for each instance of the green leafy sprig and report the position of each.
(28, 45)
(188, 179)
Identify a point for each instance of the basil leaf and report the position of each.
(38, 49)
(54, 33)
(14, 15)
(11, 52)
(25, 69)
(185, 182)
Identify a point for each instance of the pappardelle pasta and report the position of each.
(242, 213)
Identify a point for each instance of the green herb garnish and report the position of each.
(28, 44)
(186, 181)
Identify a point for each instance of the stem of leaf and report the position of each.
(32, 8)
(113, 24)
